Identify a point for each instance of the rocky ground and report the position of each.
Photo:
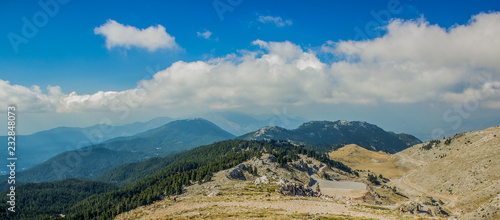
(293, 192)
(457, 177)
(464, 171)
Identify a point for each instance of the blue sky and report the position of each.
(68, 53)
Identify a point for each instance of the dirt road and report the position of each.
(405, 183)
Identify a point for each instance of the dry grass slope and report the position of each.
(466, 168)
(360, 158)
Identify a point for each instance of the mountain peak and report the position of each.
(198, 126)
(268, 130)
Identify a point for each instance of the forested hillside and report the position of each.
(93, 161)
(47, 200)
(196, 165)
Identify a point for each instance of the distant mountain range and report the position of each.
(330, 133)
(41, 146)
(92, 161)
(38, 147)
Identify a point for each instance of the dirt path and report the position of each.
(422, 190)
(405, 183)
(419, 188)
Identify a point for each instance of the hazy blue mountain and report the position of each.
(173, 137)
(239, 123)
(38, 147)
(339, 132)
(92, 161)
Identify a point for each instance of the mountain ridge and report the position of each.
(43, 145)
(94, 160)
(338, 132)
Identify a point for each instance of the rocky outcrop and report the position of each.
(300, 165)
(410, 207)
(297, 189)
(261, 180)
(236, 173)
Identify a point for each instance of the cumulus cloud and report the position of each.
(278, 21)
(414, 62)
(151, 38)
(205, 34)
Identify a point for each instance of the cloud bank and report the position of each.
(414, 62)
(151, 38)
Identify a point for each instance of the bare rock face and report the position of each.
(261, 180)
(236, 173)
(300, 165)
(296, 189)
(242, 167)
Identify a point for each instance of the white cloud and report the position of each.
(415, 62)
(151, 38)
(278, 21)
(205, 34)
